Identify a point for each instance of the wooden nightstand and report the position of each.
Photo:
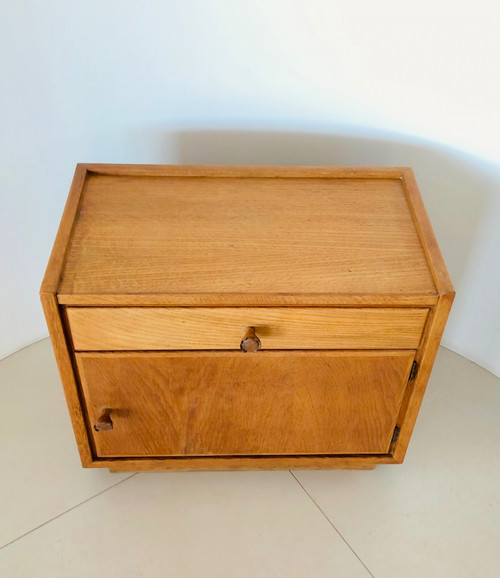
(210, 317)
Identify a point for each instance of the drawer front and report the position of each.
(227, 403)
(204, 328)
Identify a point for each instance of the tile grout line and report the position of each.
(331, 524)
(66, 511)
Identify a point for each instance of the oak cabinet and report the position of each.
(210, 317)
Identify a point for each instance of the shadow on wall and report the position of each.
(458, 189)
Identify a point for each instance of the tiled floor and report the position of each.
(436, 516)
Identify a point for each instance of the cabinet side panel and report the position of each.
(55, 265)
(54, 323)
(425, 360)
(426, 234)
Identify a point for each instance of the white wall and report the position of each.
(233, 81)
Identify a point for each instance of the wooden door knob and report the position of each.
(250, 343)
(104, 421)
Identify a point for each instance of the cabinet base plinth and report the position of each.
(235, 463)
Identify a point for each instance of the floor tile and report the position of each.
(41, 472)
(438, 514)
(205, 524)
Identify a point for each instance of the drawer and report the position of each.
(229, 403)
(205, 328)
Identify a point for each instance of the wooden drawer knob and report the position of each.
(250, 343)
(104, 422)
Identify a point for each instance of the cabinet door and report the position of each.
(232, 403)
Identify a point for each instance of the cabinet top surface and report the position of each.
(248, 231)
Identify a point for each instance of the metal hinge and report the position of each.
(395, 436)
(413, 371)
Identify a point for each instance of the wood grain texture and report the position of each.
(213, 403)
(245, 171)
(48, 297)
(54, 269)
(416, 388)
(247, 299)
(66, 372)
(253, 236)
(225, 463)
(427, 236)
(123, 328)
(314, 257)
